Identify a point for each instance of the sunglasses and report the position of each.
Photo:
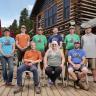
(40, 30)
(54, 44)
(23, 27)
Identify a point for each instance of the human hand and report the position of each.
(45, 66)
(28, 64)
(77, 66)
(8, 56)
(62, 65)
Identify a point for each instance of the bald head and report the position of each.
(33, 45)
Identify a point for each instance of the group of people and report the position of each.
(32, 53)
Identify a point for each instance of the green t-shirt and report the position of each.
(41, 42)
(70, 39)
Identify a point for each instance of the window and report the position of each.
(54, 9)
(46, 18)
(66, 9)
(51, 16)
(39, 21)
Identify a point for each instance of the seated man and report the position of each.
(31, 58)
(54, 62)
(76, 59)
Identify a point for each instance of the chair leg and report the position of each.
(87, 80)
(63, 79)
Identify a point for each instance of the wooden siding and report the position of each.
(80, 11)
(87, 10)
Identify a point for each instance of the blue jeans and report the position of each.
(7, 76)
(23, 68)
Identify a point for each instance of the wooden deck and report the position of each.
(59, 90)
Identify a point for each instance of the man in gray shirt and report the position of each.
(88, 43)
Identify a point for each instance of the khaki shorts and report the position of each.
(83, 68)
(92, 62)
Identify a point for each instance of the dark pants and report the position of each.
(20, 56)
(23, 68)
(7, 76)
(53, 72)
(41, 63)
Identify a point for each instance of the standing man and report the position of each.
(88, 43)
(7, 47)
(41, 43)
(22, 43)
(71, 38)
(55, 37)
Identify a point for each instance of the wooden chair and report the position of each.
(77, 72)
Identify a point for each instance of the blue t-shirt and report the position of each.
(6, 44)
(76, 55)
(57, 38)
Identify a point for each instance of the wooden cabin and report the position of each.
(50, 13)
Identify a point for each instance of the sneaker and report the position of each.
(37, 89)
(18, 89)
(83, 85)
(50, 82)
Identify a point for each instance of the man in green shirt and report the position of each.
(71, 38)
(41, 43)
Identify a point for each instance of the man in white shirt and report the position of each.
(88, 43)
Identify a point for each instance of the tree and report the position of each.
(24, 17)
(14, 27)
(25, 20)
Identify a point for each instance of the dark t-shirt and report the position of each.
(57, 38)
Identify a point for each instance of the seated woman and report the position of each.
(54, 62)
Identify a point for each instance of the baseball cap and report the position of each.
(23, 26)
(77, 42)
(72, 27)
(54, 42)
(87, 26)
(40, 28)
(6, 30)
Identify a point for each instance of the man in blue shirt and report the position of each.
(55, 37)
(76, 60)
(7, 47)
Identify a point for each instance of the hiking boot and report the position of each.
(94, 81)
(37, 89)
(83, 85)
(18, 89)
(76, 84)
(28, 75)
(9, 84)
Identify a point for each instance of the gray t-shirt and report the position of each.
(88, 43)
(54, 58)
